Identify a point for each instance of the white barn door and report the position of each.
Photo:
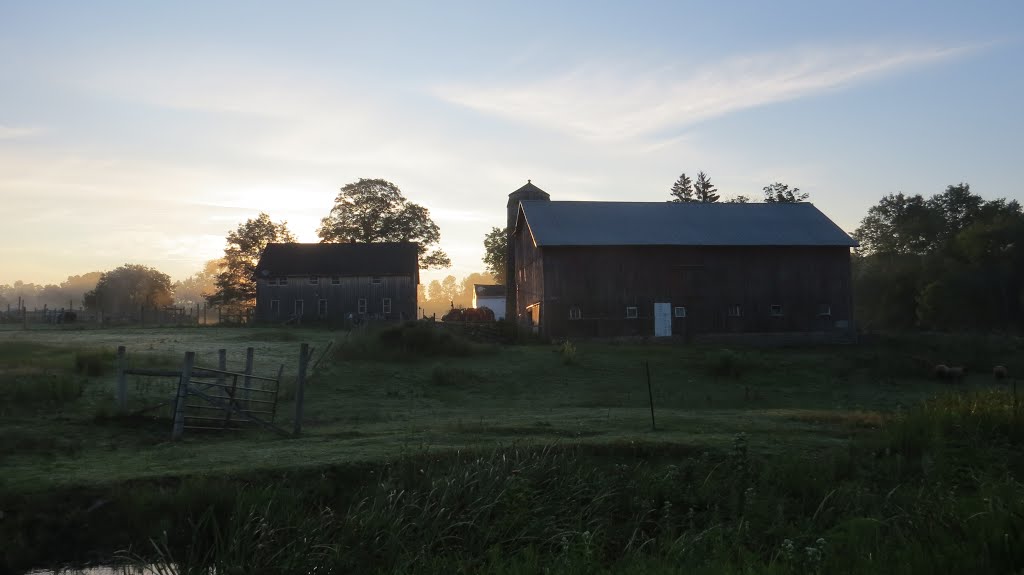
(662, 319)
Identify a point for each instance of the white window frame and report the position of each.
(361, 306)
(299, 307)
(376, 280)
(824, 310)
(335, 280)
(679, 311)
(385, 305)
(271, 281)
(734, 310)
(575, 313)
(321, 308)
(282, 281)
(314, 280)
(631, 312)
(776, 310)
(275, 307)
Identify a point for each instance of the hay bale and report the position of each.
(1000, 372)
(940, 371)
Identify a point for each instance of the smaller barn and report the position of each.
(333, 283)
(491, 297)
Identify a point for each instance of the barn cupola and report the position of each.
(527, 192)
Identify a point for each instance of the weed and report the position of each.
(568, 352)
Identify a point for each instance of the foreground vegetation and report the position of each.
(453, 457)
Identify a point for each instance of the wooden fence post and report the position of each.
(222, 365)
(300, 387)
(122, 380)
(247, 382)
(650, 394)
(179, 405)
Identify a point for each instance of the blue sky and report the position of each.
(144, 132)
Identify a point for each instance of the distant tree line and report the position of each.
(951, 262)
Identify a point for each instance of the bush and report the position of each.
(726, 362)
(409, 341)
(93, 362)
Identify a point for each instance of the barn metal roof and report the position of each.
(681, 224)
(489, 290)
(375, 259)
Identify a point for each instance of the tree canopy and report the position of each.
(129, 287)
(374, 210)
(236, 283)
(703, 190)
(779, 193)
(682, 190)
(953, 261)
(495, 253)
(198, 286)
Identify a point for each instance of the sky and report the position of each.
(143, 132)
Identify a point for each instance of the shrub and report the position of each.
(409, 341)
(726, 362)
(93, 362)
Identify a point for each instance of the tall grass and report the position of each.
(890, 504)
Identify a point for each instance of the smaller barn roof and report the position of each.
(681, 224)
(376, 259)
(486, 290)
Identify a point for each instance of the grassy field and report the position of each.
(367, 406)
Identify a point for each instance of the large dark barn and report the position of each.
(336, 282)
(696, 271)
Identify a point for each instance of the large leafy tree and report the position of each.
(703, 190)
(236, 283)
(949, 262)
(496, 253)
(376, 211)
(129, 287)
(196, 287)
(779, 193)
(682, 190)
(900, 224)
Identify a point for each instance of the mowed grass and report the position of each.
(360, 410)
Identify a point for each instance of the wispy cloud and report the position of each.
(15, 132)
(618, 102)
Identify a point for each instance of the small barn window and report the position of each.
(272, 281)
(275, 307)
(299, 307)
(313, 280)
(631, 312)
(282, 281)
(362, 305)
(775, 310)
(824, 309)
(376, 280)
(386, 306)
(734, 310)
(321, 308)
(335, 280)
(680, 311)
(574, 312)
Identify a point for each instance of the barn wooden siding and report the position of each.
(342, 297)
(603, 281)
(528, 277)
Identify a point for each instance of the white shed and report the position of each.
(490, 296)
